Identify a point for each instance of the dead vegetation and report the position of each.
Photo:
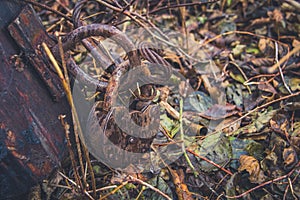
(230, 106)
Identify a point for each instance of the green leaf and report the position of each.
(217, 148)
(257, 125)
(161, 185)
(229, 2)
(252, 50)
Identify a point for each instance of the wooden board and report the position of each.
(32, 141)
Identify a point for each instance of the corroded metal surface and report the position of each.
(31, 136)
(29, 33)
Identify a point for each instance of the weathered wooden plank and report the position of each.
(29, 33)
(32, 140)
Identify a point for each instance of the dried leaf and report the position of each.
(296, 43)
(266, 46)
(220, 111)
(242, 147)
(277, 16)
(251, 165)
(66, 3)
(295, 137)
(290, 158)
(270, 160)
(259, 22)
(231, 127)
(294, 84)
(267, 87)
(182, 190)
(259, 62)
(280, 124)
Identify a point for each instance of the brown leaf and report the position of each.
(259, 22)
(280, 124)
(266, 46)
(276, 15)
(267, 87)
(65, 3)
(251, 165)
(259, 62)
(220, 111)
(232, 127)
(182, 190)
(296, 43)
(290, 158)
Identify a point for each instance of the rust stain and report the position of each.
(36, 171)
(25, 19)
(24, 96)
(40, 167)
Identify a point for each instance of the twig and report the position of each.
(104, 188)
(133, 179)
(114, 190)
(200, 177)
(74, 113)
(123, 10)
(68, 91)
(263, 184)
(211, 162)
(140, 193)
(285, 58)
(294, 3)
(136, 18)
(260, 107)
(71, 181)
(182, 138)
(250, 82)
(76, 121)
(181, 5)
(71, 153)
(280, 70)
(243, 74)
(46, 8)
(276, 65)
(242, 33)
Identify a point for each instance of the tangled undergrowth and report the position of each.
(234, 112)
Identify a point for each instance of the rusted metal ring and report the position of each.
(105, 31)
